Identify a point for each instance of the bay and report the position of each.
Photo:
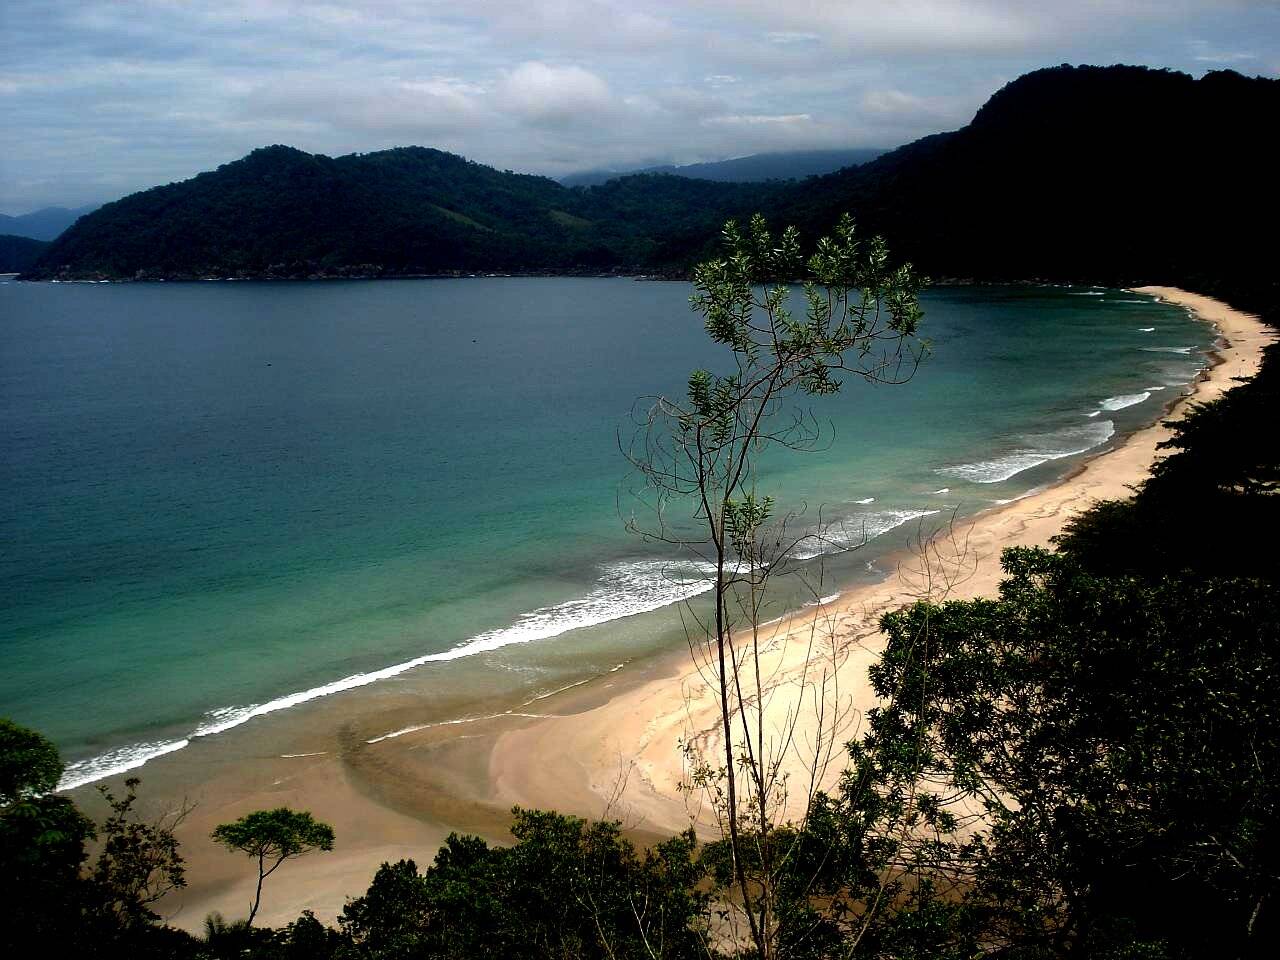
(222, 498)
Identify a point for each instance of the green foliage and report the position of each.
(19, 254)
(1211, 506)
(104, 911)
(271, 837)
(859, 320)
(42, 839)
(566, 888)
(1113, 743)
(275, 834)
(138, 862)
(280, 212)
(29, 764)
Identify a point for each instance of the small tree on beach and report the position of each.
(271, 837)
(860, 320)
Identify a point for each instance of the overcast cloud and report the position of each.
(100, 99)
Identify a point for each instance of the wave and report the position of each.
(866, 501)
(1182, 350)
(623, 590)
(941, 491)
(117, 761)
(823, 601)
(1146, 329)
(1086, 293)
(855, 532)
(1039, 449)
(1125, 400)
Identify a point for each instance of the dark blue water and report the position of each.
(218, 499)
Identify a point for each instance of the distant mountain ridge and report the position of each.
(44, 224)
(280, 212)
(1101, 174)
(756, 168)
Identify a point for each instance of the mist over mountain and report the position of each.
(44, 224)
(1104, 174)
(757, 168)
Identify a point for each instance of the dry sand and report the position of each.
(609, 746)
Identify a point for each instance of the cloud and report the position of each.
(755, 119)
(554, 95)
(103, 97)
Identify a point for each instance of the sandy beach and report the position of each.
(605, 747)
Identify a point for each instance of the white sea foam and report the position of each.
(866, 501)
(115, 762)
(623, 590)
(1039, 449)
(855, 531)
(1146, 329)
(823, 601)
(1182, 350)
(941, 490)
(1085, 293)
(1125, 400)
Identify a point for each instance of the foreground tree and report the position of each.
(271, 837)
(57, 900)
(42, 842)
(139, 860)
(1096, 760)
(566, 888)
(859, 320)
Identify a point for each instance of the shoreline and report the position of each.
(661, 713)
(606, 746)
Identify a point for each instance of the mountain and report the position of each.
(1096, 174)
(43, 224)
(19, 253)
(1101, 174)
(412, 210)
(757, 168)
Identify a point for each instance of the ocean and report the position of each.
(220, 500)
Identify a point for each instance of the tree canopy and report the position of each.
(271, 837)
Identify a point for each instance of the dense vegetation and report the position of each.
(280, 212)
(19, 253)
(1105, 174)
(1098, 174)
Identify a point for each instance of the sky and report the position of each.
(99, 99)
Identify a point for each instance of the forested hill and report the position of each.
(19, 253)
(282, 212)
(1072, 173)
(1105, 174)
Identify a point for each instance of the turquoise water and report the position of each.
(221, 499)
